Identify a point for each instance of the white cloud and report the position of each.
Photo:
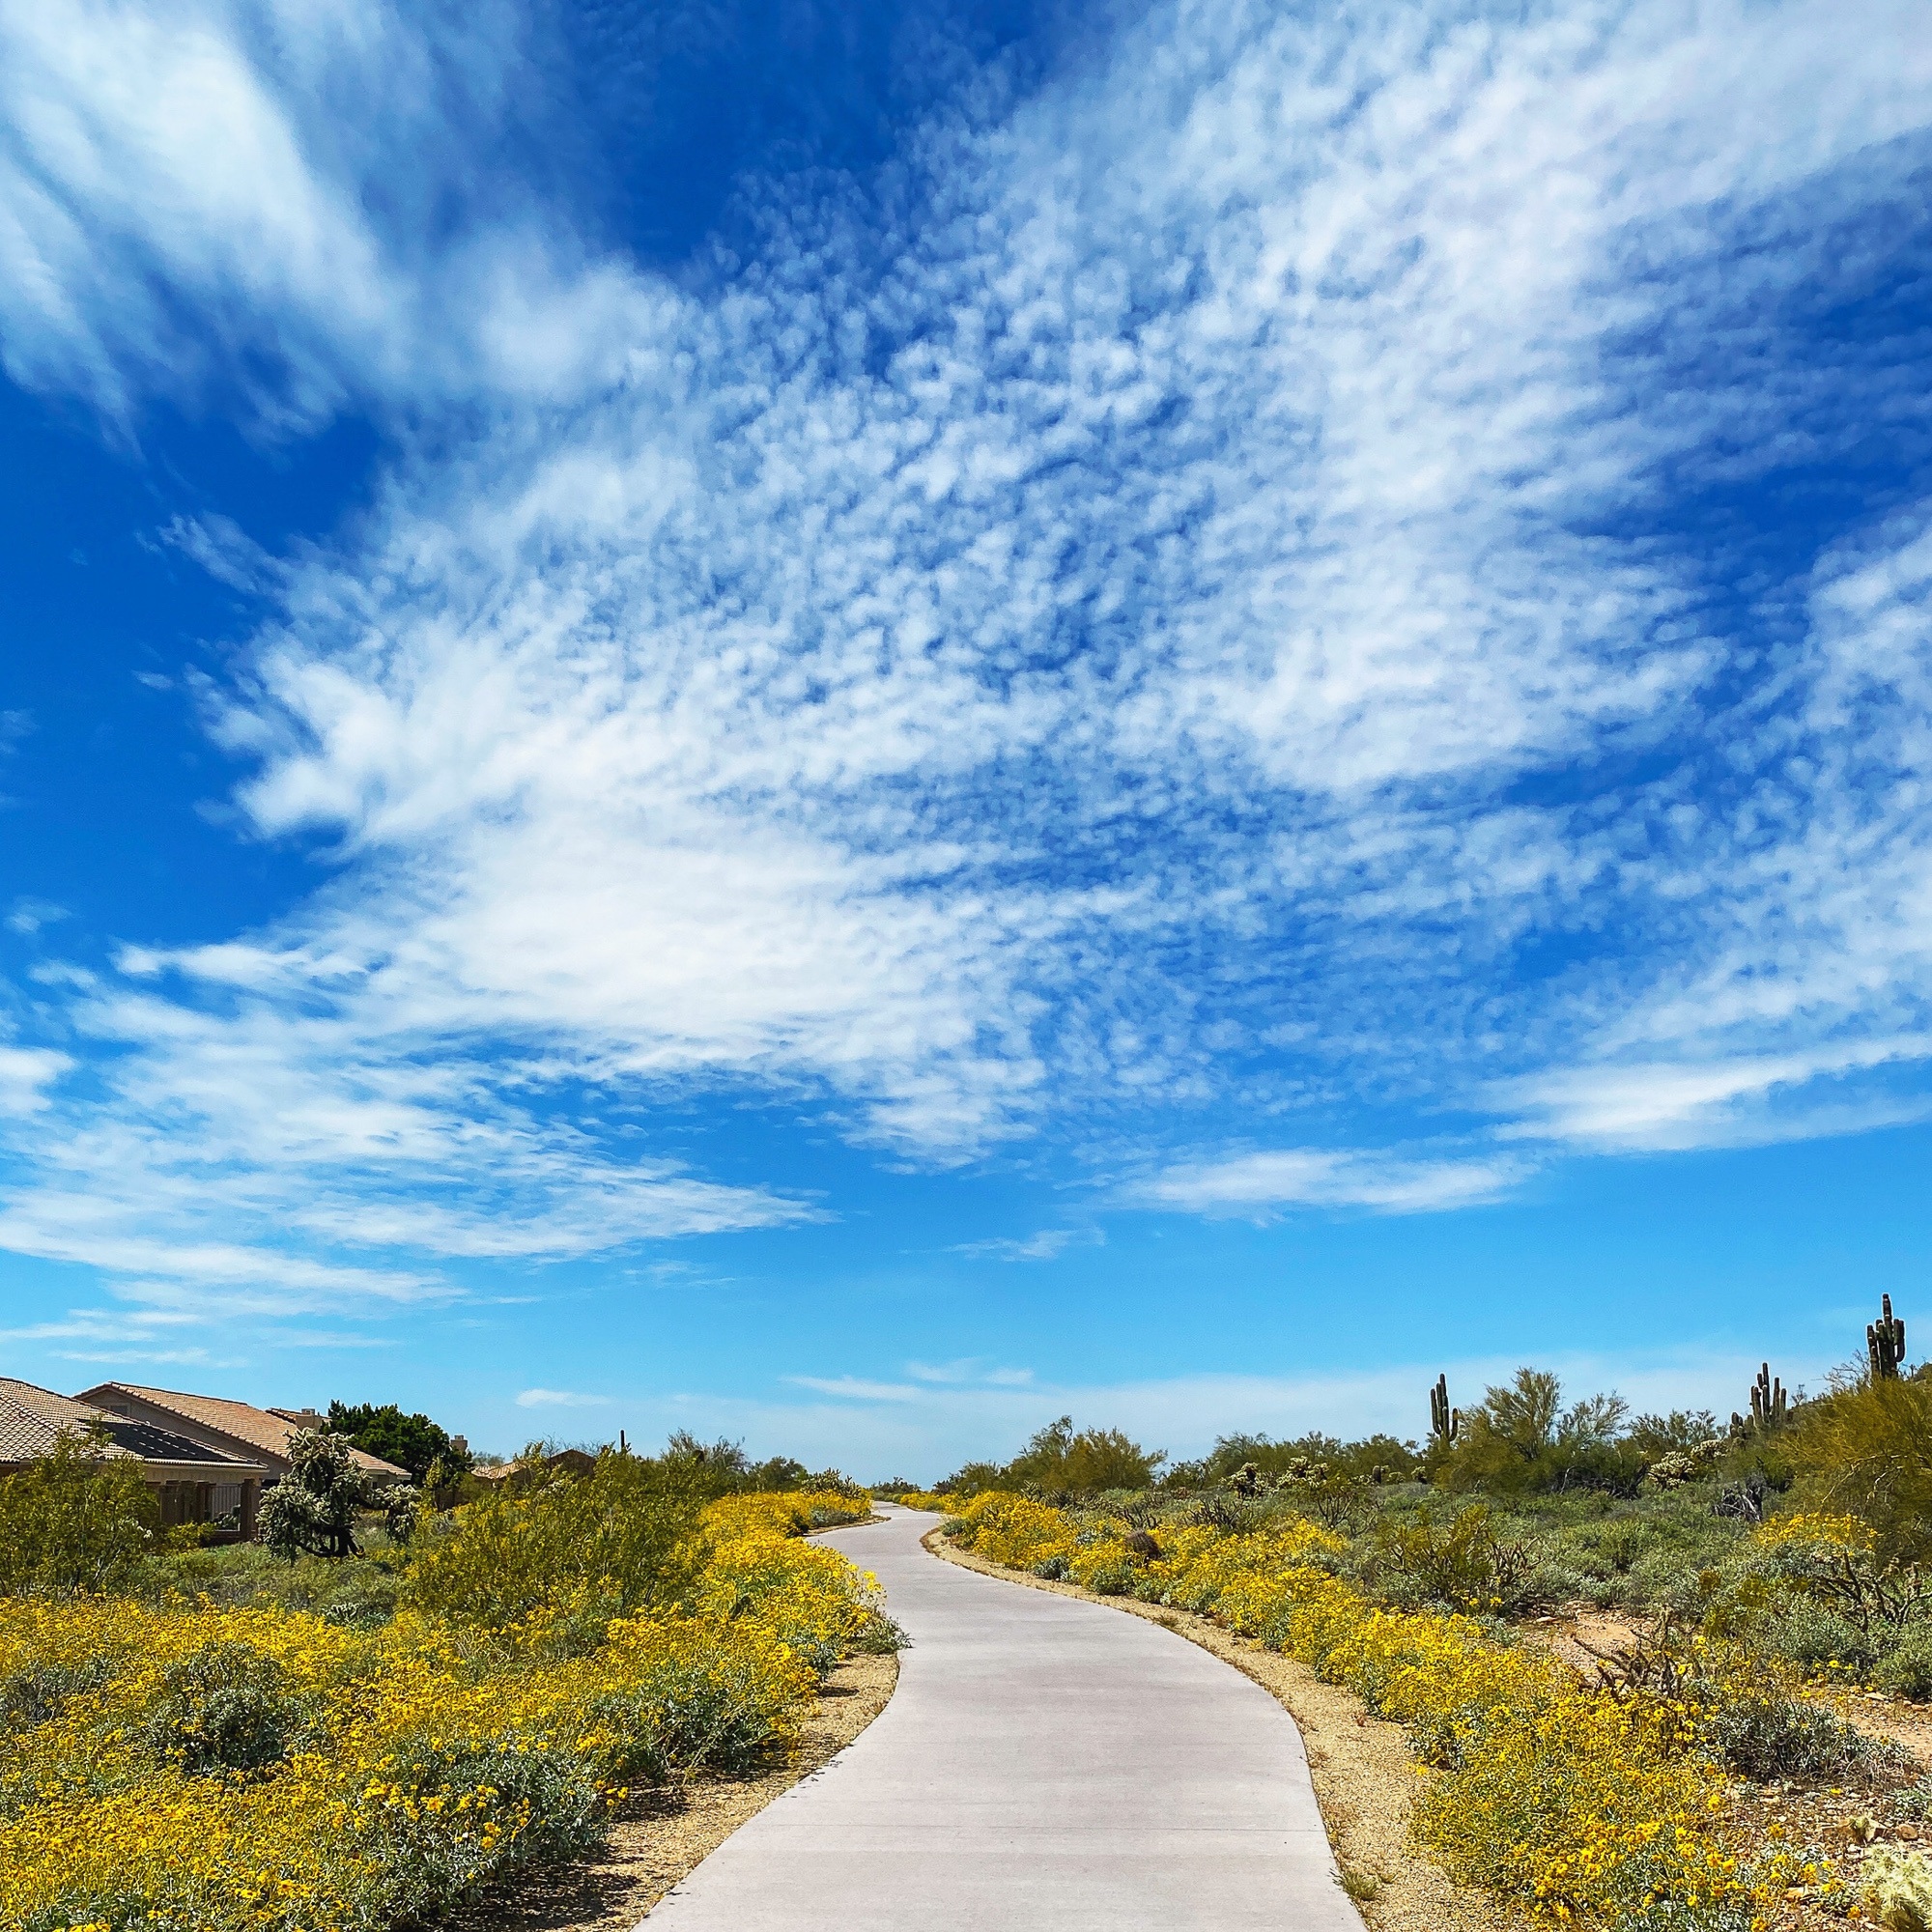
(853, 1388)
(542, 1398)
(1673, 1104)
(1261, 1183)
(1140, 627)
(25, 1075)
(969, 1368)
(214, 196)
(1047, 1244)
(30, 915)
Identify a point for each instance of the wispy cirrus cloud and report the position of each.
(1210, 601)
(1045, 1245)
(544, 1397)
(1263, 1183)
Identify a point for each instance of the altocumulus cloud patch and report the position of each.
(1205, 618)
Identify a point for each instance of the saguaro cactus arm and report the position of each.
(1885, 1343)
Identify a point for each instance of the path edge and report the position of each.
(1363, 1773)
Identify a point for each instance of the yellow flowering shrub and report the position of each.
(183, 1768)
(1018, 1531)
(1807, 1530)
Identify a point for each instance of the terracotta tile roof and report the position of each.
(260, 1428)
(26, 1429)
(33, 1420)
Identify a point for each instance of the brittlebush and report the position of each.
(1578, 1805)
(387, 1772)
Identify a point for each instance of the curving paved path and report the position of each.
(1045, 1764)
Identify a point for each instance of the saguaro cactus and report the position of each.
(1885, 1344)
(1445, 1424)
(1770, 1406)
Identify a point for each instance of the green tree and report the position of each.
(413, 1442)
(1521, 1438)
(1059, 1462)
(1682, 1429)
(1271, 1457)
(75, 1522)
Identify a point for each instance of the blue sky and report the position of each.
(852, 723)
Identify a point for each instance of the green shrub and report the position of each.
(1867, 1451)
(623, 1539)
(1812, 1636)
(1772, 1736)
(38, 1693)
(226, 1708)
(518, 1801)
(74, 1523)
(690, 1716)
(1905, 1670)
(1467, 1563)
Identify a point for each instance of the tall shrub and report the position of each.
(1868, 1452)
(623, 1539)
(73, 1522)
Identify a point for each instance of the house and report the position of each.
(226, 1427)
(193, 1482)
(568, 1462)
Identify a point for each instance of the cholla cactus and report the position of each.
(1301, 1470)
(1885, 1344)
(1898, 1890)
(1684, 1465)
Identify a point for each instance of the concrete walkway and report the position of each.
(1045, 1763)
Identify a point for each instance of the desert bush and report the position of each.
(586, 1550)
(692, 1709)
(438, 1816)
(1764, 1734)
(1867, 1451)
(357, 1592)
(37, 1692)
(1905, 1667)
(75, 1522)
(1467, 1562)
(226, 1706)
(1809, 1636)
